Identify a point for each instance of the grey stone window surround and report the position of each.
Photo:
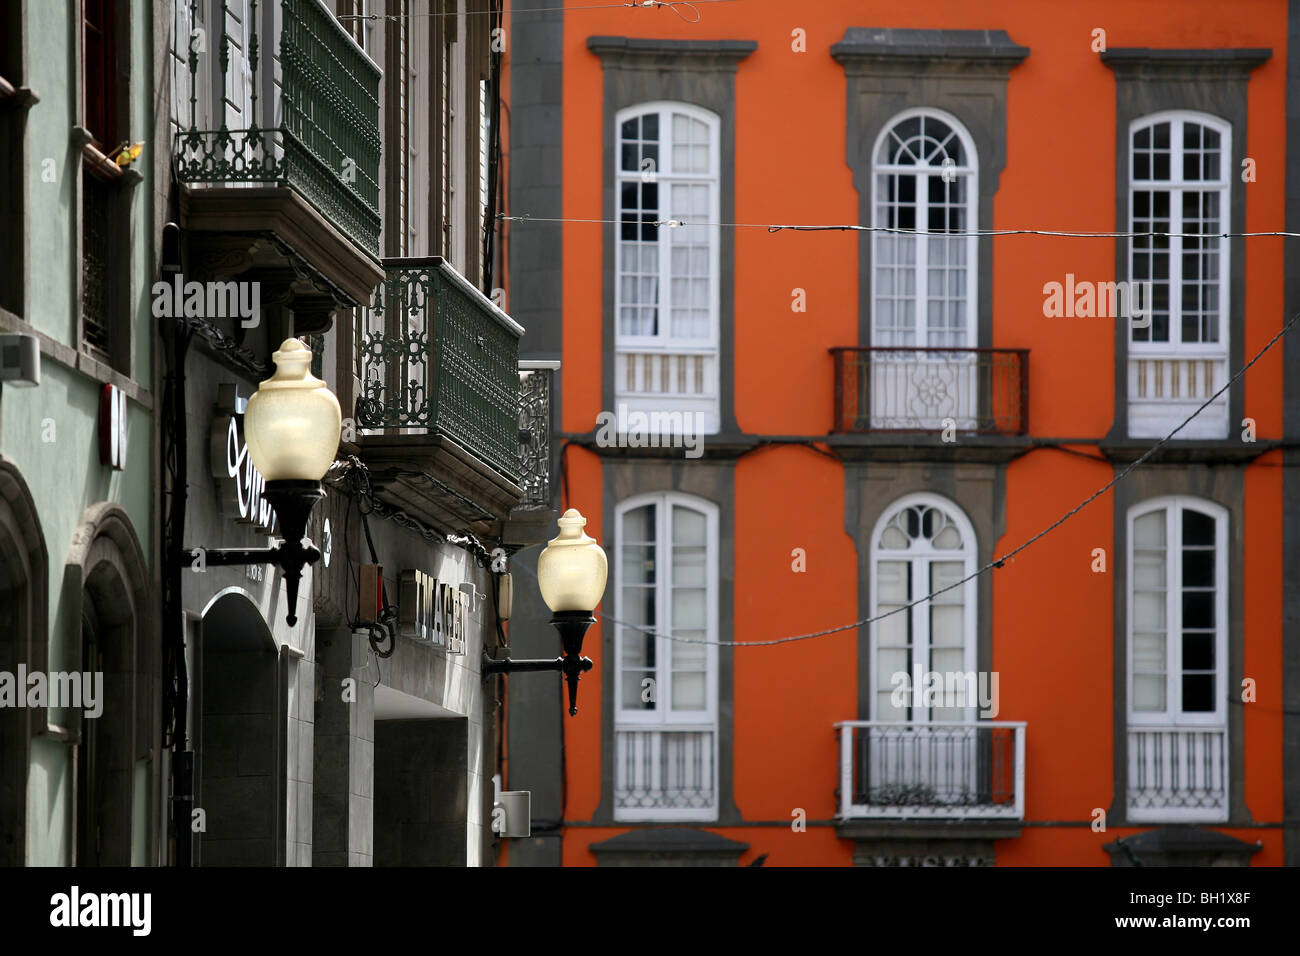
(871, 489)
(701, 73)
(962, 72)
(714, 482)
(1223, 485)
(1212, 81)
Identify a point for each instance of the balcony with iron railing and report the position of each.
(898, 393)
(1177, 774)
(277, 116)
(455, 430)
(948, 771)
(665, 773)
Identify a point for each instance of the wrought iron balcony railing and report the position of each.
(1177, 774)
(665, 773)
(298, 107)
(434, 353)
(936, 770)
(975, 391)
(535, 381)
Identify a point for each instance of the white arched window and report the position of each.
(667, 282)
(923, 286)
(666, 583)
(1177, 659)
(921, 544)
(1178, 183)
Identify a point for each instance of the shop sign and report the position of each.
(433, 611)
(240, 486)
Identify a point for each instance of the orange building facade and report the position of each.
(779, 432)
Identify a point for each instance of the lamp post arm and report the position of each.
(492, 666)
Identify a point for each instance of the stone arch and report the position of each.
(24, 632)
(241, 765)
(108, 632)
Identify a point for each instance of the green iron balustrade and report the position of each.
(433, 352)
(321, 137)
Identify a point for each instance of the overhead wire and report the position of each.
(991, 565)
(676, 6)
(902, 231)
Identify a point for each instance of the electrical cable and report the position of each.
(997, 562)
(672, 5)
(900, 231)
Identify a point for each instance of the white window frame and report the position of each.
(1177, 185)
(665, 176)
(663, 719)
(969, 171)
(664, 714)
(920, 612)
(1173, 716)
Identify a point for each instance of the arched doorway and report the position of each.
(240, 761)
(23, 632)
(111, 645)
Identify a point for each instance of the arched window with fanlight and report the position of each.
(665, 571)
(923, 544)
(923, 746)
(666, 298)
(1179, 193)
(919, 372)
(1178, 689)
(924, 277)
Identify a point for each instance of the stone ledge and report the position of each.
(1170, 64)
(680, 54)
(78, 361)
(965, 48)
(668, 846)
(1181, 846)
(928, 829)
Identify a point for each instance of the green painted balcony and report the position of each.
(437, 397)
(277, 116)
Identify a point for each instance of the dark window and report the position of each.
(95, 250)
(99, 64)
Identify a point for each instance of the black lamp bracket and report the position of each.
(293, 502)
(572, 625)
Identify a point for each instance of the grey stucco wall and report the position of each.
(535, 256)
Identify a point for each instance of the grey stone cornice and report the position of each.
(615, 51)
(1176, 63)
(889, 46)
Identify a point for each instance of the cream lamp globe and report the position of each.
(572, 570)
(293, 422)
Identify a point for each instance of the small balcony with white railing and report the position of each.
(679, 382)
(666, 773)
(939, 770)
(1177, 774)
(1165, 387)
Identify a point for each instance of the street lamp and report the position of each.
(571, 574)
(292, 426)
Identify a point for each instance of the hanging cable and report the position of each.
(683, 9)
(997, 562)
(900, 231)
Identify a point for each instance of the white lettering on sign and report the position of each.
(241, 487)
(249, 483)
